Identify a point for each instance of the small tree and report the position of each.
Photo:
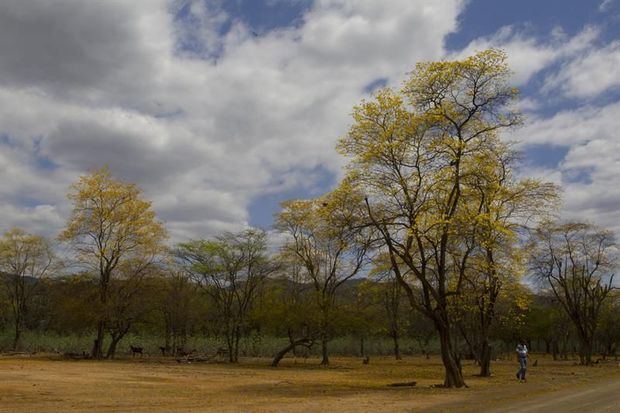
(24, 260)
(325, 238)
(111, 226)
(230, 269)
(392, 300)
(176, 302)
(576, 261)
(288, 309)
(130, 300)
(609, 330)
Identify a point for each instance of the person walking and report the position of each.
(522, 354)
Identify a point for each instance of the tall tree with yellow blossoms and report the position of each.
(416, 154)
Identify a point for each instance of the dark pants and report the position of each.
(523, 368)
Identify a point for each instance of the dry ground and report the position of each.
(40, 384)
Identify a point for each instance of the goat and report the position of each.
(136, 350)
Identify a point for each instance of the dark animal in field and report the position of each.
(221, 352)
(163, 350)
(136, 350)
(366, 360)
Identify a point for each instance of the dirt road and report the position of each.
(604, 397)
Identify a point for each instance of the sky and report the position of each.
(219, 110)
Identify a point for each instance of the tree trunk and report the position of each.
(451, 363)
(97, 351)
(104, 280)
(231, 346)
(555, 349)
(116, 338)
(18, 333)
(396, 345)
(112, 347)
(485, 359)
(585, 352)
(324, 352)
(237, 338)
(362, 349)
(280, 354)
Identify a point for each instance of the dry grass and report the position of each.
(44, 385)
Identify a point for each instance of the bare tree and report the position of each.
(576, 261)
(230, 269)
(325, 238)
(24, 259)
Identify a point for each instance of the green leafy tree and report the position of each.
(230, 269)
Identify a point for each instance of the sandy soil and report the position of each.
(603, 397)
(44, 384)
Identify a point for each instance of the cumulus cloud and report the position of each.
(589, 74)
(186, 101)
(589, 172)
(183, 99)
(528, 55)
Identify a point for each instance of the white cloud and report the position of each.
(204, 128)
(589, 74)
(605, 5)
(572, 127)
(589, 172)
(528, 55)
(207, 127)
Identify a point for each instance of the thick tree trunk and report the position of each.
(485, 359)
(104, 280)
(116, 338)
(451, 363)
(112, 347)
(585, 352)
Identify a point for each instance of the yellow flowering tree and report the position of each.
(417, 155)
(111, 228)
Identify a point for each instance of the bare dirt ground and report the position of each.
(603, 397)
(44, 384)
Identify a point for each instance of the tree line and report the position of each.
(432, 225)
